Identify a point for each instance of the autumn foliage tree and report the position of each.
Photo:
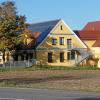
(11, 25)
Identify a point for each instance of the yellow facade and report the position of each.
(89, 43)
(57, 33)
(42, 57)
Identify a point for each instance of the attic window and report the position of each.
(61, 27)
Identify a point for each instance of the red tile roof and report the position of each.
(93, 26)
(88, 35)
(90, 32)
(34, 35)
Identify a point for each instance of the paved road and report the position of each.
(36, 94)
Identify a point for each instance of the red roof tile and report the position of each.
(93, 26)
(34, 35)
(88, 35)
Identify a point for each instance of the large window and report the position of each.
(50, 57)
(54, 41)
(61, 40)
(62, 57)
(71, 55)
(69, 43)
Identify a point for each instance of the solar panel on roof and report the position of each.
(43, 28)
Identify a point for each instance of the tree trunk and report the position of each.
(3, 58)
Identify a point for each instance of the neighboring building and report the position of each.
(90, 35)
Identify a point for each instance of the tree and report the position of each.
(24, 36)
(11, 25)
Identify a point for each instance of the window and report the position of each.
(50, 57)
(71, 55)
(0, 60)
(54, 41)
(61, 27)
(7, 57)
(62, 57)
(15, 57)
(22, 57)
(68, 56)
(61, 40)
(30, 55)
(26, 58)
(69, 43)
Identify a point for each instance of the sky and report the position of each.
(76, 13)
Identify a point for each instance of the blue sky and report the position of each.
(76, 13)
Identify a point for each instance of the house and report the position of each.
(90, 35)
(55, 44)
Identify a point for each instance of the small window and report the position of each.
(61, 40)
(62, 57)
(50, 57)
(61, 27)
(54, 41)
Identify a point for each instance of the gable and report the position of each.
(89, 43)
(57, 32)
(43, 28)
(61, 29)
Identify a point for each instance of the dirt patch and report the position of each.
(56, 79)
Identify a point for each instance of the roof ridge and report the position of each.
(45, 21)
(89, 30)
(94, 21)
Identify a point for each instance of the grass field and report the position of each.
(35, 68)
(84, 79)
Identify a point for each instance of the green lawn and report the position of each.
(34, 68)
